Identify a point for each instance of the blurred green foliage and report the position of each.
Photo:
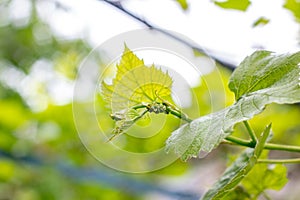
(48, 133)
(294, 7)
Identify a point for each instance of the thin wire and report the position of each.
(193, 46)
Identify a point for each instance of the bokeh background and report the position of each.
(43, 42)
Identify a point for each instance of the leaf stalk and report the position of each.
(269, 146)
(280, 161)
(250, 132)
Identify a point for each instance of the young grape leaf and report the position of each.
(205, 133)
(238, 170)
(234, 4)
(125, 120)
(135, 83)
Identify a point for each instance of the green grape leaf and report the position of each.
(135, 83)
(257, 90)
(294, 7)
(263, 177)
(261, 22)
(183, 3)
(263, 70)
(234, 4)
(238, 170)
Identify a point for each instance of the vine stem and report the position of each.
(279, 161)
(239, 141)
(269, 146)
(250, 131)
(282, 147)
(180, 115)
(139, 106)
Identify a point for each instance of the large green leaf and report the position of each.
(238, 170)
(264, 70)
(268, 85)
(234, 4)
